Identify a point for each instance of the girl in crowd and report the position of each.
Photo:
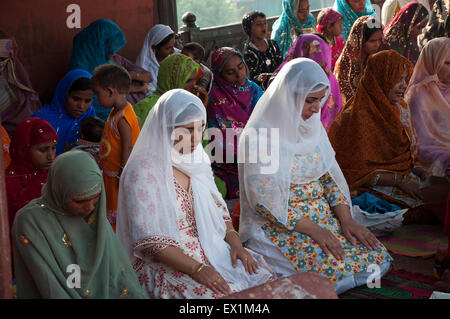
(365, 39)
(18, 99)
(438, 24)
(352, 10)
(71, 103)
(231, 102)
(98, 44)
(401, 33)
(428, 97)
(32, 148)
(293, 21)
(173, 220)
(261, 55)
(158, 44)
(314, 47)
(177, 71)
(374, 137)
(67, 227)
(329, 24)
(296, 210)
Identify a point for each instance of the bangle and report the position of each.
(202, 265)
(231, 231)
(375, 181)
(395, 179)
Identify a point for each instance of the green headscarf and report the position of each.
(174, 72)
(47, 239)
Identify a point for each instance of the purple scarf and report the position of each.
(315, 48)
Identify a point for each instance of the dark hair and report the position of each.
(320, 35)
(112, 75)
(81, 84)
(91, 128)
(247, 20)
(165, 41)
(371, 26)
(196, 49)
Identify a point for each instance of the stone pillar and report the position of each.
(188, 24)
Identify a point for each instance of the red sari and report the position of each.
(23, 180)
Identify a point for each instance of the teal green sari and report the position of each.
(51, 245)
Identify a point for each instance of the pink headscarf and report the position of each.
(330, 17)
(429, 101)
(315, 48)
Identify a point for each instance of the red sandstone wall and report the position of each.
(45, 41)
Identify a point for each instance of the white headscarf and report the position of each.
(147, 58)
(280, 108)
(147, 210)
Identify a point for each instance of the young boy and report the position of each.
(91, 131)
(196, 52)
(112, 83)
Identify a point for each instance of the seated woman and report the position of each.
(295, 210)
(172, 218)
(428, 97)
(438, 25)
(98, 44)
(329, 24)
(231, 102)
(314, 47)
(177, 71)
(65, 232)
(262, 56)
(71, 103)
(294, 20)
(352, 10)
(32, 149)
(18, 99)
(401, 33)
(364, 39)
(374, 137)
(158, 44)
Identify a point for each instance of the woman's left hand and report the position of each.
(249, 263)
(354, 231)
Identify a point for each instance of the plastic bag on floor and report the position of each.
(379, 224)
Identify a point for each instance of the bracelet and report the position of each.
(375, 181)
(202, 265)
(395, 179)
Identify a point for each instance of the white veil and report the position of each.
(280, 108)
(147, 209)
(147, 58)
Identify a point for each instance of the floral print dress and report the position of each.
(315, 200)
(163, 282)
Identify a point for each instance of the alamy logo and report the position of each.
(74, 19)
(374, 280)
(74, 279)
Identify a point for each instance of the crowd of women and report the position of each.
(113, 175)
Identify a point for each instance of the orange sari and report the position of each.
(371, 135)
(5, 146)
(111, 154)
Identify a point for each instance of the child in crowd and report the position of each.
(112, 83)
(91, 131)
(197, 53)
(262, 56)
(329, 24)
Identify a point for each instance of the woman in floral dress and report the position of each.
(173, 220)
(295, 210)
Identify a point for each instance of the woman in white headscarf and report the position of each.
(158, 44)
(172, 219)
(295, 209)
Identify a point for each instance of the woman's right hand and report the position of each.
(209, 277)
(329, 243)
(411, 187)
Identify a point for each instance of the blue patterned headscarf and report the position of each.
(55, 113)
(281, 29)
(91, 47)
(351, 16)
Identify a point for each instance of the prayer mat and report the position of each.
(396, 284)
(416, 240)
